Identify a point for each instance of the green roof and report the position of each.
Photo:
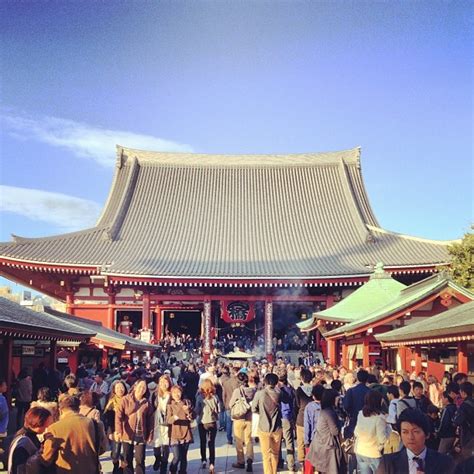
(406, 298)
(374, 294)
(458, 320)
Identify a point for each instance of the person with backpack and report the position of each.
(311, 414)
(207, 414)
(241, 415)
(288, 409)
(464, 419)
(267, 404)
(421, 400)
(405, 401)
(26, 443)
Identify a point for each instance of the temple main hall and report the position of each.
(202, 243)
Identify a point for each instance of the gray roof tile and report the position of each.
(234, 216)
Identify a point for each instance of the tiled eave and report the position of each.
(71, 269)
(430, 340)
(36, 334)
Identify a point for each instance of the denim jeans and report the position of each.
(228, 426)
(366, 465)
(180, 457)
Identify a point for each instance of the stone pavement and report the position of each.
(225, 456)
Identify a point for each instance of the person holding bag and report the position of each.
(240, 411)
(179, 415)
(207, 414)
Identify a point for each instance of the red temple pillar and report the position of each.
(268, 330)
(8, 341)
(105, 359)
(402, 353)
(158, 325)
(70, 302)
(332, 351)
(345, 355)
(146, 311)
(462, 357)
(74, 360)
(206, 340)
(418, 366)
(111, 310)
(52, 354)
(365, 353)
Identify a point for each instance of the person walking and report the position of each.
(242, 422)
(26, 442)
(207, 414)
(119, 390)
(303, 396)
(229, 383)
(447, 431)
(371, 432)
(73, 444)
(45, 400)
(24, 395)
(288, 413)
(88, 405)
(464, 419)
(267, 404)
(354, 401)
(179, 414)
(325, 452)
(134, 425)
(161, 428)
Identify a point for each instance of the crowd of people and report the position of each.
(330, 420)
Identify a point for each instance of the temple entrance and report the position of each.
(183, 322)
(129, 322)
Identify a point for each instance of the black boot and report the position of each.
(249, 465)
(157, 453)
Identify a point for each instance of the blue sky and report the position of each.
(236, 77)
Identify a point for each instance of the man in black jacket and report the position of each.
(464, 418)
(354, 401)
(415, 457)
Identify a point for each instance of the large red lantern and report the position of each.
(237, 312)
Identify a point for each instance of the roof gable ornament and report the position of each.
(379, 272)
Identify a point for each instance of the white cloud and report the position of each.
(68, 213)
(84, 140)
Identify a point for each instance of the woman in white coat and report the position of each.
(371, 432)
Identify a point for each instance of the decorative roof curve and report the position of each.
(177, 215)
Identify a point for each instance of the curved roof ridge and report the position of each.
(352, 201)
(17, 239)
(412, 237)
(229, 160)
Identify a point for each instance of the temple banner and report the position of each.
(207, 327)
(237, 312)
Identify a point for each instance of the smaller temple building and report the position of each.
(434, 344)
(353, 327)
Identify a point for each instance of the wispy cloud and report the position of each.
(67, 213)
(83, 140)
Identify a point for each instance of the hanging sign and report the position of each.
(207, 327)
(268, 327)
(237, 312)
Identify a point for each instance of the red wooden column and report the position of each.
(110, 309)
(268, 330)
(70, 302)
(206, 339)
(332, 352)
(345, 360)
(402, 352)
(158, 324)
(8, 341)
(146, 311)
(418, 367)
(74, 360)
(52, 354)
(365, 353)
(462, 357)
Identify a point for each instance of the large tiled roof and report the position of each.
(459, 320)
(406, 298)
(103, 335)
(18, 318)
(233, 216)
